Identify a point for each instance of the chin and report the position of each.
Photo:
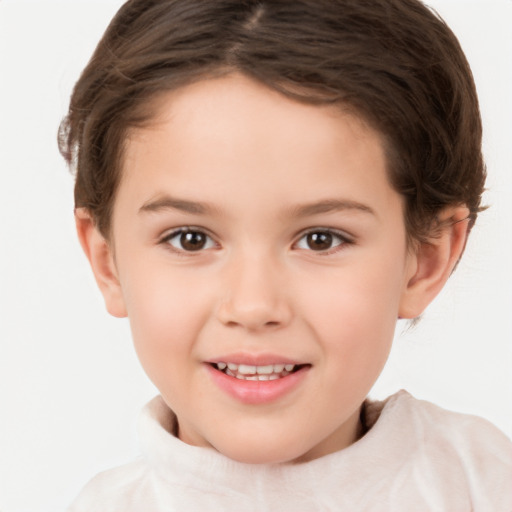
(258, 457)
(259, 453)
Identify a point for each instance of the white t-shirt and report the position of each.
(416, 457)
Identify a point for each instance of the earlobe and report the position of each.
(99, 254)
(434, 261)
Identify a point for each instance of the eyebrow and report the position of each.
(329, 206)
(305, 210)
(171, 203)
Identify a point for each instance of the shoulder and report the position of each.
(435, 423)
(152, 480)
(465, 450)
(112, 489)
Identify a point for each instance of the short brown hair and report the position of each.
(394, 62)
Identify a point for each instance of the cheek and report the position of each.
(353, 315)
(166, 311)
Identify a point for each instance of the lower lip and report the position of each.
(257, 391)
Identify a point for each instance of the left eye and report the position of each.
(321, 240)
(189, 240)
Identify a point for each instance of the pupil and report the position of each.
(319, 241)
(193, 241)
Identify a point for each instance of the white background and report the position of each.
(70, 384)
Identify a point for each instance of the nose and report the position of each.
(255, 295)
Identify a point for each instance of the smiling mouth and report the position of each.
(257, 373)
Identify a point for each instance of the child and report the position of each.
(263, 187)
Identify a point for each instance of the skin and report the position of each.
(254, 172)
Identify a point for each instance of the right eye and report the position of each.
(189, 240)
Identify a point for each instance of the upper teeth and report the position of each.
(242, 370)
(247, 369)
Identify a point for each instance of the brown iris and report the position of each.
(193, 240)
(319, 241)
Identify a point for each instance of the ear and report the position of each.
(434, 260)
(101, 259)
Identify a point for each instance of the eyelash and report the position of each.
(188, 230)
(342, 238)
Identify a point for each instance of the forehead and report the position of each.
(234, 136)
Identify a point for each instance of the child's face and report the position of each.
(253, 230)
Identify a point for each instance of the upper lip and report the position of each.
(255, 359)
